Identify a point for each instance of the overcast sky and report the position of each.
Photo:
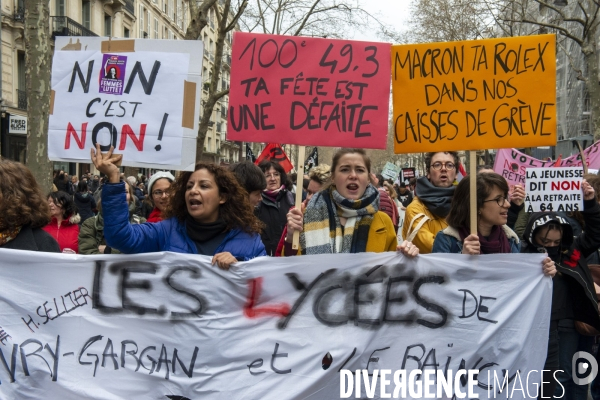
(391, 12)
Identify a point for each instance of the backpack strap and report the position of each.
(412, 232)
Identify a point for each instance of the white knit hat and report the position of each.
(159, 175)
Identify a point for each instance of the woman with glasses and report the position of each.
(158, 190)
(276, 202)
(493, 235)
(207, 213)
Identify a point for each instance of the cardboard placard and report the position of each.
(554, 189)
(140, 96)
(308, 91)
(472, 95)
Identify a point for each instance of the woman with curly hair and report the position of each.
(64, 225)
(208, 213)
(23, 210)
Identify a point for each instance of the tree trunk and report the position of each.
(38, 64)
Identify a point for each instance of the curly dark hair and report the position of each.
(237, 211)
(22, 201)
(64, 200)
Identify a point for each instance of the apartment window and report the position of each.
(141, 22)
(86, 14)
(107, 25)
(155, 28)
(165, 2)
(60, 8)
(148, 25)
(21, 70)
(171, 11)
(170, 34)
(125, 32)
(165, 35)
(209, 146)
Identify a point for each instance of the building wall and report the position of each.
(153, 19)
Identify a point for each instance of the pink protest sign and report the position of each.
(307, 91)
(511, 163)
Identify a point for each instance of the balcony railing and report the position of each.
(21, 99)
(65, 26)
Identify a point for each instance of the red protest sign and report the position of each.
(274, 152)
(309, 91)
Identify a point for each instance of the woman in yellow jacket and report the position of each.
(345, 218)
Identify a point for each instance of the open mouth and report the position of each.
(194, 203)
(352, 186)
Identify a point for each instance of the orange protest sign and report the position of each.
(473, 95)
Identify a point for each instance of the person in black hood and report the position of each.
(573, 296)
(84, 201)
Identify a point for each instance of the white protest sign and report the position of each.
(165, 324)
(554, 189)
(141, 96)
(390, 171)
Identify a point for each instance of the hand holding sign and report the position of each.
(518, 195)
(588, 191)
(471, 245)
(108, 163)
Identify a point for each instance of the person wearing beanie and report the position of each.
(158, 194)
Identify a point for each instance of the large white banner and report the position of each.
(141, 96)
(163, 325)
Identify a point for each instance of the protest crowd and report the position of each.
(245, 211)
(251, 211)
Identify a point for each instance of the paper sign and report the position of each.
(136, 98)
(472, 95)
(390, 171)
(511, 163)
(308, 91)
(173, 326)
(554, 189)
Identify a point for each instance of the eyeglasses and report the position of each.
(273, 175)
(499, 200)
(438, 165)
(159, 193)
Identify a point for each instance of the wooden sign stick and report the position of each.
(583, 161)
(299, 186)
(473, 190)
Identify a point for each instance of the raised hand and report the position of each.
(107, 163)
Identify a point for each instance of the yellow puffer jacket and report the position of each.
(426, 234)
(382, 235)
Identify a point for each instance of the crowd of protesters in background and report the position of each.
(243, 211)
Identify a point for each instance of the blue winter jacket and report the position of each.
(167, 235)
(448, 241)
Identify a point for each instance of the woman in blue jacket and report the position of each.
(493, 235)
(209, 213)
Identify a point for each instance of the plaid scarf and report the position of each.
(323, 234)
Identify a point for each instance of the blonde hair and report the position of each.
(391, 190)
(320, 174)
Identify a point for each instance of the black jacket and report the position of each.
(85, 205)
(274, 215)
(574, 295)
(33, 240)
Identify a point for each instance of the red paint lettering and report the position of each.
(255, 289)
(72, 132)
